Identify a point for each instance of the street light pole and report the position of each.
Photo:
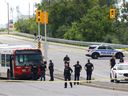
(45, 40)
(8, 15)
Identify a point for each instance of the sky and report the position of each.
(23, 8)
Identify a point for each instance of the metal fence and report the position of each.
(73, 42)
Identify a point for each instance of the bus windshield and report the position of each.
(28, 57)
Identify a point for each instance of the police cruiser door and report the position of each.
(105, 50)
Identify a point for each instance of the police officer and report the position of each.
(34, 71)
(43, 70)
(67, 75)
(51, 70)
(66, 59)
(89, 68)
(121, 60)
(77, 70)
(112, 61)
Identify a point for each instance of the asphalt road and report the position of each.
(52, 89)
(56, 52)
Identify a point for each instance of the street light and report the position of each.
(8, 14)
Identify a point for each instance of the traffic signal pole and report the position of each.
(39, 29)
(45, 41)
(42, 18)
(39, 41)
(38, 20)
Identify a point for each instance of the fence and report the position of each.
(73, 42)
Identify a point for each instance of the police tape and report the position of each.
(55, 81)
(123, 49)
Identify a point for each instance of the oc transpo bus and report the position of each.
(16, 61)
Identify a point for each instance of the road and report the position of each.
(52, 89)
(56, 52)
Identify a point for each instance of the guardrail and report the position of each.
(81, 43)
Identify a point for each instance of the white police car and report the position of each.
(119, 72)
(96, 51)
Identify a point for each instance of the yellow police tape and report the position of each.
(124, 49)
(55, 81)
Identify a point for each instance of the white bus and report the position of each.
(16, 61)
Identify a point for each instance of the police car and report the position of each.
(96, 51)
(119, 72)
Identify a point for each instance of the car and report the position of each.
(119, 72)
(96, 51)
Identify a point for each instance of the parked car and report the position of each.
(96, 51)
(119, 72)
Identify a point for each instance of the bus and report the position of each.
(16, 61)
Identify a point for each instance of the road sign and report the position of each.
(39, 37)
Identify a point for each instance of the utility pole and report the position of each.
(29, 10)
(33, 9)
(18, 12)
(8, 15)
(108, 3)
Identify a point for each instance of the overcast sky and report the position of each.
(23, 8)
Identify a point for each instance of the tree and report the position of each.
(73, 32)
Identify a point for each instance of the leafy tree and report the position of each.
(86, 20)
(73, 33)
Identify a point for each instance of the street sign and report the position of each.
(39, 37)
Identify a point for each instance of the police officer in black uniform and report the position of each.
(121, 60)
(67, 74)
(89, 68)
(112, 61)
(51, 70)
(77, 70)
(34, 71)
(43, 70)
(66, 59)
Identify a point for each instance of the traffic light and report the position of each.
(44, 19)
(38, 16)
(41, 17)
(112, 13)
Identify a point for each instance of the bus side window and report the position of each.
(3, 60)
(7, 60)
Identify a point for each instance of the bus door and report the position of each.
(11, 71)
(5, 65)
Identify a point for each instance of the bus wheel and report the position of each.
(8, 74)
